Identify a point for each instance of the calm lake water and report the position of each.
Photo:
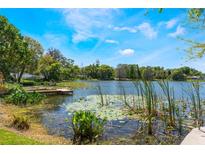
(54, 120)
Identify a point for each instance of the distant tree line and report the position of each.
(134, 72)
(22, 54)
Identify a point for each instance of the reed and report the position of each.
(99, 89)
(125, 99)
(169, 95)
(195, 98)
(149, 95)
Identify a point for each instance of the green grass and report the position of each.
(71, 84)
(10, 138)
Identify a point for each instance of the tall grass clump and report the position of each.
(18, 96)
(168, 91)
(139, 91)
(87, 127)
(194, 94)
(149, 97)
(99, 89)
(20, 123)
(125, 101)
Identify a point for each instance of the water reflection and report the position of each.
(54, 120)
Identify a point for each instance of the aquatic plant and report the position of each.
(179, 119)
(169, 95)
(20, 123)
(87, 127)
(112, 111)
(100, 94)
(18, 96)
(194, 94)
(125, 99)
(149, 96)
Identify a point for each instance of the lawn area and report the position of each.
(10, 138)
(72, 84)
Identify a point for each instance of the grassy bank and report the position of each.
(72, 84)
(36, 131)
(11, 138)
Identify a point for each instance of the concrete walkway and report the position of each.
(195, 137)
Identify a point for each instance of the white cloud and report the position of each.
(179, 31)
(129, 29)
(111, 41)
(171, 23)
(168, 24)
(127, 52)
(145, 28)
(85, 22)
(54, 40)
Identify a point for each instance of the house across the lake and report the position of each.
(193, 77)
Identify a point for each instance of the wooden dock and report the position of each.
(46, 91)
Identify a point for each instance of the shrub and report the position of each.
(19, 96)
(178, 76)
(28, 83)
(48, 83)
(87, 127)
(20, 123)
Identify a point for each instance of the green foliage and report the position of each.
(87, 127)
(20, 123)
(147, 74)
(35, 50)
(18, 96)
(11, 138)
(28, 83)
(195, 14)
(196, 18)
(54, 66)
(106, 72)
(13, 49)
(97, 71)
(177, 75)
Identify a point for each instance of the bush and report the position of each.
(28, 83)
(47, 83)
(178, 76)
(87, 127)
(19, 96)
(20, 123)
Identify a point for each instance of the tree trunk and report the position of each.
(20, 75)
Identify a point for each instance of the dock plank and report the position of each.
(52, 91)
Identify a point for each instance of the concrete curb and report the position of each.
(195, 137)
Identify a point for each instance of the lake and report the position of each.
(57, 120)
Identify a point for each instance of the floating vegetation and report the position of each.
(152, 113)
(113, 111)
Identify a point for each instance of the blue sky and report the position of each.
(111, 35)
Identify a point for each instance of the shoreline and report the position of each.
(36, 131)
